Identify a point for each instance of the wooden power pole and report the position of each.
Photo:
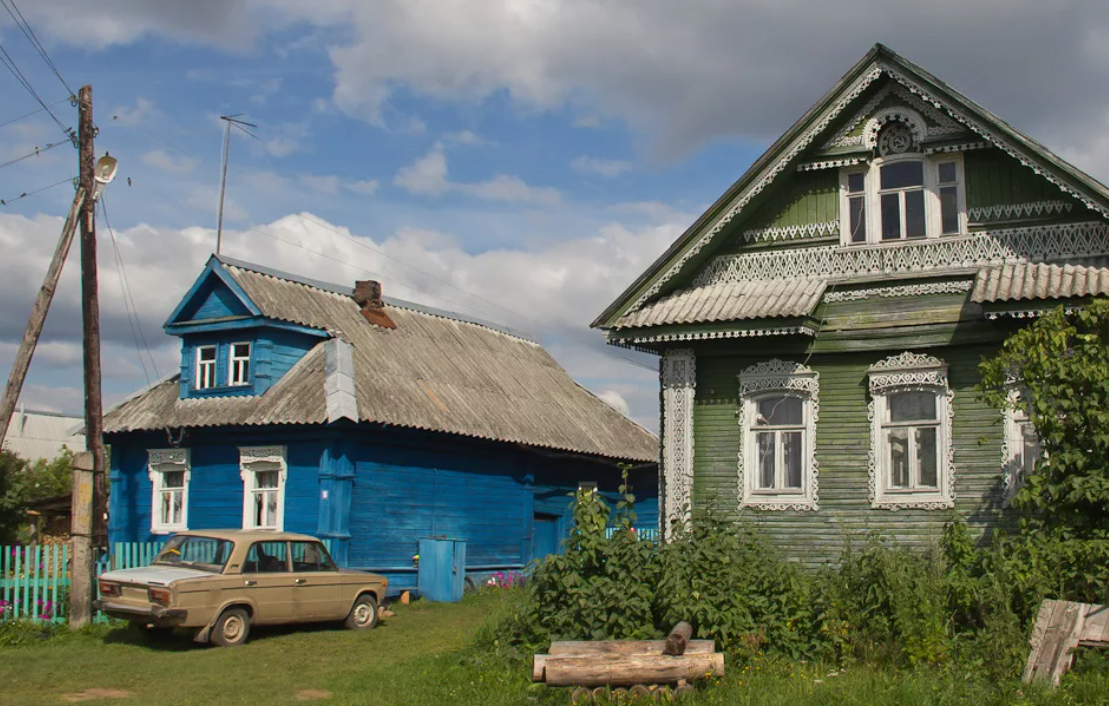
(83, 543)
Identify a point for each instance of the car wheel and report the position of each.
(363, 615)
(232, 628)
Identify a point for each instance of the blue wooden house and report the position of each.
(373, 422)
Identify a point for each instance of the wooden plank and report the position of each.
(629, 670)
(624, 647)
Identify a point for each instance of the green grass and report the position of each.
(421, 657)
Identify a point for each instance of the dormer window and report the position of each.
(239, 364)
(902, 194)
(205, 367)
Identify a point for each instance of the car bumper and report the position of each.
(151, 614)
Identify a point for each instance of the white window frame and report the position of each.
(1014, 472)
(252, 461)
(910, 372)
(160, 462)
(776, 378)
(212, 382)
(933, 217)
(232, 359)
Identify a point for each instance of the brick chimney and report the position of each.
(367, 295)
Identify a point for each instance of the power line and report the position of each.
(36, 153)
(33, 112)
(128, 295)
(29, 33)
(25, 194)
(13, 69)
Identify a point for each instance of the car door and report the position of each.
(317, 593)
(268, 582)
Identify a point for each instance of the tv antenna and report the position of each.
(231, 120)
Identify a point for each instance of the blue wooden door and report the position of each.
(545, 539)
(442, 572)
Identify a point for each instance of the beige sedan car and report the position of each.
(221, 582)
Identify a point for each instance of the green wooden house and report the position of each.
(820, 326)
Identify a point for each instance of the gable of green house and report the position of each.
(790, 295)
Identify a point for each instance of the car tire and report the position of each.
(232, 628)
(363, 614)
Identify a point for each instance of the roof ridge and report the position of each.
(340, 290)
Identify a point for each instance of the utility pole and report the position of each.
(38, 315)
(242, 125)
(83, 560)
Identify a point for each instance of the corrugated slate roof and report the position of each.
(35, 435)
(433, 372)
(1039, 280)
(730, 302)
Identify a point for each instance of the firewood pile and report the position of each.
(619, 670)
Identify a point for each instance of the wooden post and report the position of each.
(83, 568)
(90, 315)
(678, 638)
(38, 316)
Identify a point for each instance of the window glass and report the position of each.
(172, 505)
(779, 411)
(856, 182)
(914, 214)
(206, 367)
(857, 205)
(310, 556)
(899, 457)
(902, 174)
(949, 209)
(766, 459)
(912, 406)
(926, 456)
(947, 173)
(266, 558)
(240, 363)
(205, 553)
(891, 216)
(791, 458)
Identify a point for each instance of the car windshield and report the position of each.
(205, 553)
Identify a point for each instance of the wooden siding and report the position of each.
(273, 353)
(994, 178)
(810, 197)
(214, 301)
(842, 447)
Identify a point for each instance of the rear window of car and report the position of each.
(266, 558)
(310, 556)
(205, 553)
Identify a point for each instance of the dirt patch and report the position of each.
(313, 695)
(90, 694)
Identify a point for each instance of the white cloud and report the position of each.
(142, 111)
(283, 146)
(588, 121)
(366, 187)
(467, 137)
(600, 167)
(173, 164)
(615, 400)
(427, 176)
(320, 184)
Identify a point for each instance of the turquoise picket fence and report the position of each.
(34, 580)
(645, 533)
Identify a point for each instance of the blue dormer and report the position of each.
(228, 347)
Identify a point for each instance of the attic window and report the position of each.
(239, 364)
(205, 367)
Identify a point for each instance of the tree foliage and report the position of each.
(1060, 365)
(22, 480)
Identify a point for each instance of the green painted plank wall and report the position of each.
(842, 446)
(994, 178)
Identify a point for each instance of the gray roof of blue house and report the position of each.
(436, 371)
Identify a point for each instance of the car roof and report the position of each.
(238, 535)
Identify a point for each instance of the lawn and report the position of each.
(422, 656)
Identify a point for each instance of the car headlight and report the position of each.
(161, 596)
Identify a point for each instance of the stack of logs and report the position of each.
(633, 668)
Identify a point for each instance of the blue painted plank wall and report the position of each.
(214, 301)
(273, 352)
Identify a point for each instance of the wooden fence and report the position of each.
(34, 580)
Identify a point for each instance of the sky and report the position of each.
(521, 161)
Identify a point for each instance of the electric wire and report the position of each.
(29, 33)
(36, 153)
(13, 69)
(128, 296)
(33, 112)
(25, 194)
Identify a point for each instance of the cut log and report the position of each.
(581, 696)
(639, 692)
(629, 670)
(678, 638)
(626, 647)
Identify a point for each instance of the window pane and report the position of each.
(901, 174)
(266, 479)
(780, 411)
(208, 353)
(858, 219)
(914, 214)
(791, 457)
(912, 406)
(899, 457)
(855, 182)
(947, 173)
(926, 457)
(765, 442)
(241, 350)
(173, 479)
(265, 557)
(949, 209)
(891, 216)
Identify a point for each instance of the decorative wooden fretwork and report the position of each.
(830, 164)
(711, 335)
(1035, 243)
(1009, 211)
(679, 381)
(179, 457)
(786, 376)
(957, 147)
(899, 291)
(943, 125)
(805, 230)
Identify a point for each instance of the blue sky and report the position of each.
(517, 160)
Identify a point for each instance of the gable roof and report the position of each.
(689, 250)
(436, 371)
